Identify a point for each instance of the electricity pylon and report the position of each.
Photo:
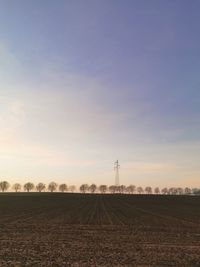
(116, 168)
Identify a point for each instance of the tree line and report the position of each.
(93, 188)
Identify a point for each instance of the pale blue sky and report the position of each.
(83, 83)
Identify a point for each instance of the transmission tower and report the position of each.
(116, 168)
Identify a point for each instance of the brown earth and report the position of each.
(99, 230)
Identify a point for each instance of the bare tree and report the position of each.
(140, 190)
(62, 188)
(112, 189)
(84, 188)
(103, 189)
(17, 187)
(180, 191)
(131, 189)
(72, 188)
(117, 189)
(28, 187)
(92, 188)
(165, 191)
(52, 187)
(196, 191)
(187, 191)
(173, 191)
(4, 185)
(40, 187)
(157, 190)
(122, 189)
(148, 190)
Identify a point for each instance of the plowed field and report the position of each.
(99, 230)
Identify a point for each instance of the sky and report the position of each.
(84, 83)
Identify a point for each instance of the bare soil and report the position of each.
(99, 230)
